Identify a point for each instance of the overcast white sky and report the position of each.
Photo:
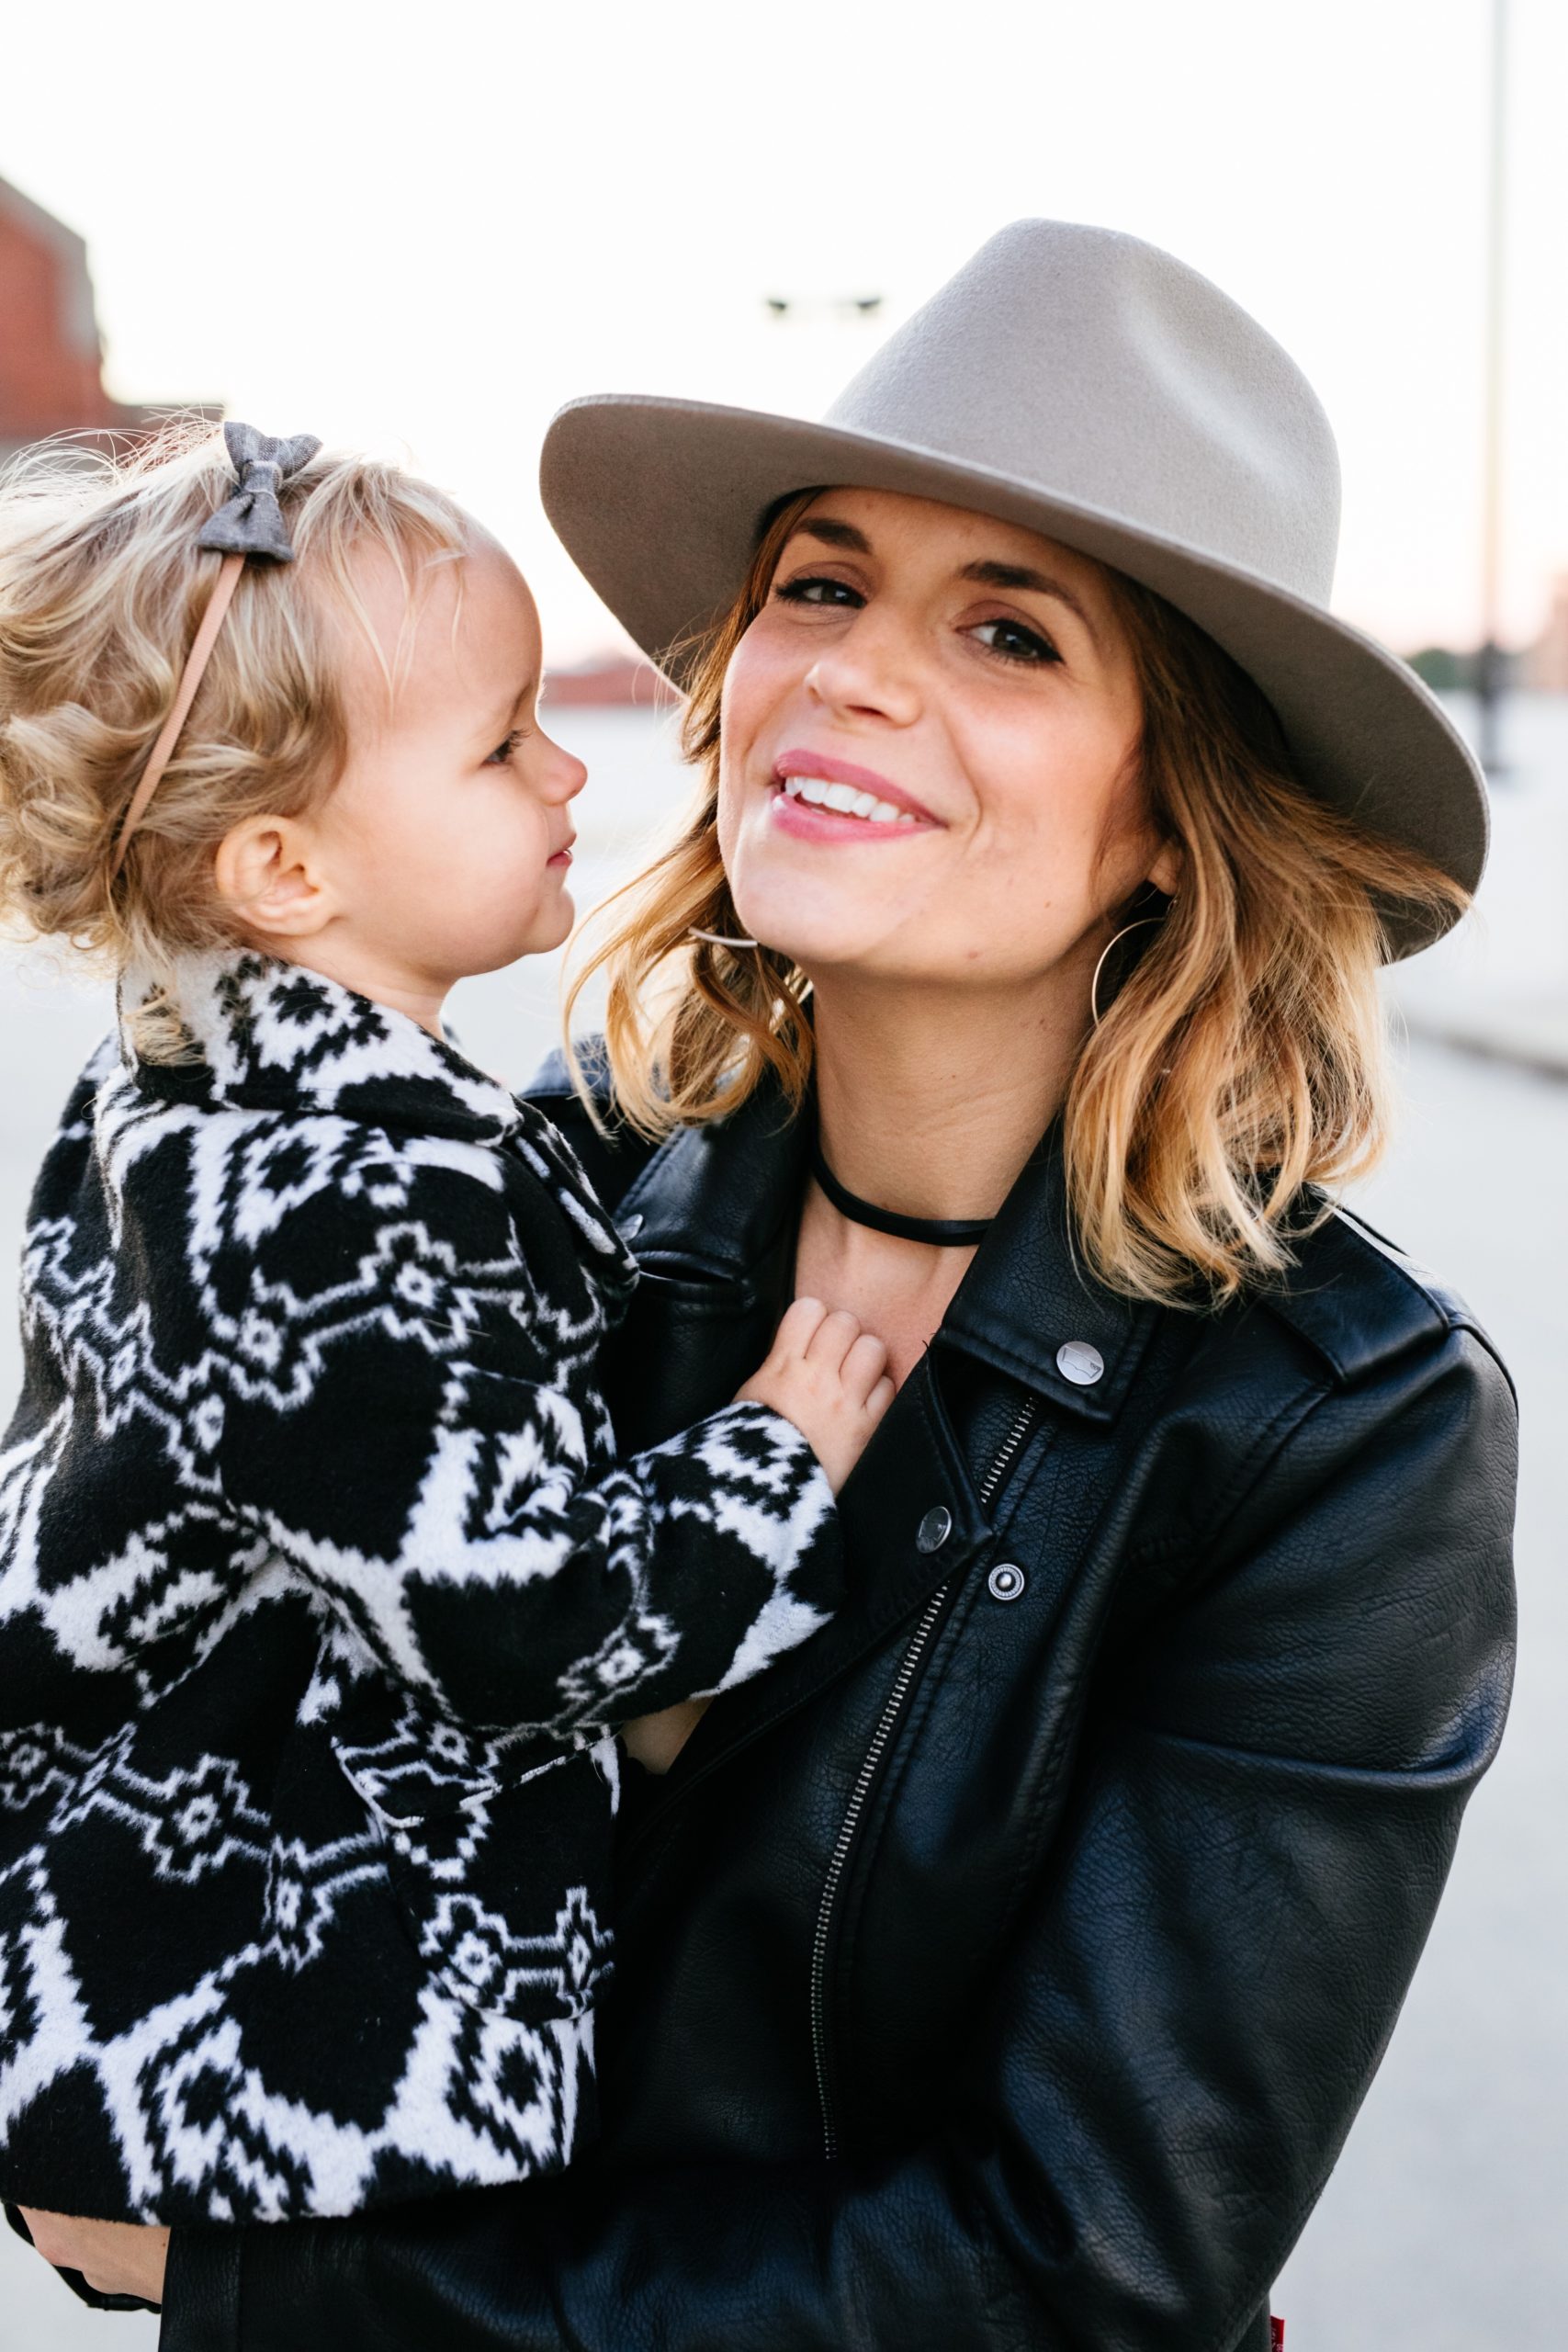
(428, 226)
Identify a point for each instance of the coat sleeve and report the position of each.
(410, 1416)
(1201, 1983)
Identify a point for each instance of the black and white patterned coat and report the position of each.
(319, 1587)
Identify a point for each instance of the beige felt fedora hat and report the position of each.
(1095, 390)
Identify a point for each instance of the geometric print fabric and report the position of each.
(320, 1592)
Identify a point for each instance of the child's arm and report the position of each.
(830, 1379)
(414, 1451)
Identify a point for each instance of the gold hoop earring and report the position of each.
(1143, 923)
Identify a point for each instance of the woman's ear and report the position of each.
(268, 873)
(1166, 871)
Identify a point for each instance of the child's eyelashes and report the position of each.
(502, 752)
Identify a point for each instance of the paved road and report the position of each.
(1442, 2228)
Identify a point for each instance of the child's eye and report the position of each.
(811, 588)
(502, 752)
(1013, 642)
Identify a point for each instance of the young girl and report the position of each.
(321, 1587)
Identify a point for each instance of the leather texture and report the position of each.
(1140, 1859)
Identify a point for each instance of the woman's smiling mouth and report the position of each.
(820, 799)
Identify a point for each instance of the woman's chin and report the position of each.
(819, 927)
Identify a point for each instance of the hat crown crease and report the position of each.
(1019, 362)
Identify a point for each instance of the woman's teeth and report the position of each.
(820, 794)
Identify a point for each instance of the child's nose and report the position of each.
(566, 775)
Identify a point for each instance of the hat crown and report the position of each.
(1106, 372)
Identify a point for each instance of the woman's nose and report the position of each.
(870, 670)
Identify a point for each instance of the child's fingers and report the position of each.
(831, 1343)
(881, 1397)
(864, 1366)
(798, 1327)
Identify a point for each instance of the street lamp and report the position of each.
(1490, 667)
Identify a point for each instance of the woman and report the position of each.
(1007, 1966)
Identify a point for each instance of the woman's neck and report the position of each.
(931, 1104)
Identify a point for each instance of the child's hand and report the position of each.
(827, 1375)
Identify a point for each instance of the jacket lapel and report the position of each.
(713, 1217)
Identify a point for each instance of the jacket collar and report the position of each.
(267, 1035)
(718, 1200)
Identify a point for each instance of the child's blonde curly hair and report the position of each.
(102, 589)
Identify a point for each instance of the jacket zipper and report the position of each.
(908, 1668)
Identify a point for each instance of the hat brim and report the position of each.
(660, 502)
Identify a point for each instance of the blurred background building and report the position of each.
(50, 351)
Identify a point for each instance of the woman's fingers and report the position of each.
(115, 2258)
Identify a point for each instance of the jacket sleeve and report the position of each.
(410, 1416)
(1153, 2099)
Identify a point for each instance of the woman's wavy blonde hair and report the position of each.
(102, 588)
(1241, 1061)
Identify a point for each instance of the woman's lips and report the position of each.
(562, 856)
(818, 798)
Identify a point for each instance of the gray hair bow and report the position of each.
(251, 522)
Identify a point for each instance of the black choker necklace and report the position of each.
(942, 1232)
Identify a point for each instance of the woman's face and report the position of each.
(968, 688)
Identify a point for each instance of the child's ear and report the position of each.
(268, 873)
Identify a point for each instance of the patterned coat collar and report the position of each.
(269, 1036)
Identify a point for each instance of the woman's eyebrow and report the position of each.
(1021, 575)
(834, 535)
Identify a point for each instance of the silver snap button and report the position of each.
(632, 1226)
(934, 1529)
(1080, 1364)
(1006, 1581)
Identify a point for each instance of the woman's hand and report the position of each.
(115, 2258)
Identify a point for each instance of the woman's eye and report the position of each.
(501, 754)
(812, 589)
(1014, 642)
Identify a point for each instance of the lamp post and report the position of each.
(1489, 676)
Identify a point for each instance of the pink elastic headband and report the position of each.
(249, 528)
(163, 751)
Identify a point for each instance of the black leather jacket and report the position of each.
(1005, 1968)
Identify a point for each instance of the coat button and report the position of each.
(1080, 1364)
(632, 1226)
(934, 1529)
(1006, 1581)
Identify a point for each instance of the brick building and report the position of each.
(51, 353)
